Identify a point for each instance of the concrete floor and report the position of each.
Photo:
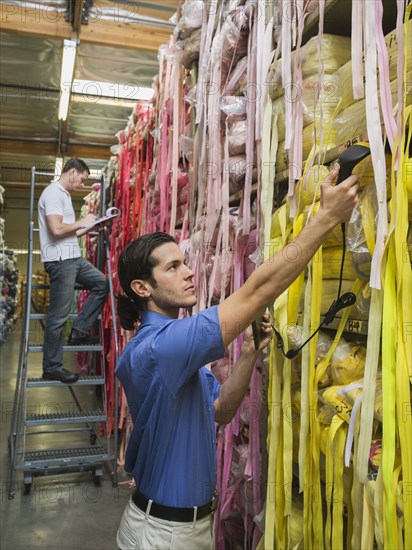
(62, 511)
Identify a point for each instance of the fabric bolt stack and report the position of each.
(339, 436)
(8, 280)
(198, 162)
(8, 298)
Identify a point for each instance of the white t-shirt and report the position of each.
(56, 200)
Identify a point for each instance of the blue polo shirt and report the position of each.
(172, 448)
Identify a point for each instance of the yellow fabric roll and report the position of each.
(335, 53)
(344, 73)
(279, 111)
(332, 257)
(351, 121)
(313, 98)
(360, 310)
(338, 403)
(347, 363)
(275, 230)
(308, 187)
(324, 433)
(335, 236)
(308, 140)
(275, 245)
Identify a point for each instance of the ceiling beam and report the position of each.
(34, 148)
(37, 21)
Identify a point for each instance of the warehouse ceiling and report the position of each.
(117, 44)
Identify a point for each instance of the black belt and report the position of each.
(170, 513)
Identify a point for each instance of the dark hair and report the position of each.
(136, 262)
(77, 164)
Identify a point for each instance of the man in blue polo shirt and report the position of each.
(173, 399)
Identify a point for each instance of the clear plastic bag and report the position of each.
(233, 106)
(191, 18)
(237, 82)
(347, 362)
(336, 51)
(361, 230)
(237, 131)
(188, 50)
(314, 97)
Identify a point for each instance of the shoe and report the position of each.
(61, 375)
(78, 338)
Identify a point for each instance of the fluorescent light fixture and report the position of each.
(93, 90)
(66, 77)
(107, 101)
(58, 165)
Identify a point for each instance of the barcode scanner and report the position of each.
(347, 161)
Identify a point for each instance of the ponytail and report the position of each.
(128, 312)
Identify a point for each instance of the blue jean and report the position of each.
(64, 274)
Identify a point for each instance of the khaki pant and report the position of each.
(139, 531)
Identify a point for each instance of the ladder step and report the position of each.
(43, 286)
(40, 316)
(97, 347)
(64, 457)
(65, 418)
(82, 381)
(39, 287)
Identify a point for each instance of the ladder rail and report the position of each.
(22, 368)
(116, 350)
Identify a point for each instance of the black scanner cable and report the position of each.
(347, 161)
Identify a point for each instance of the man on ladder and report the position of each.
(61, 255)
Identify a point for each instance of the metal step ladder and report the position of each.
(79, 434)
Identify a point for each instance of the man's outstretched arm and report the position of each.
(235, 387)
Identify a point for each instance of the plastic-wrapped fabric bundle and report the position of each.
(351, 121)
(360, 310)
(235, 40)
(335, 53)
(233, 106)
(333, 403)
(344, 73)
(276, 230)
(279, 111)
(310, 132)
(361, 231)
(237, 82)
(237, 137)
(332, 257)
(191, 18)
(347, 362)
(351, 392)
(309, 185)
(188, 50)
(313, 98)
(335, 236)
